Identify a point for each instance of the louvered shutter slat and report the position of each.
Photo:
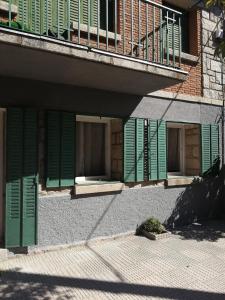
(129, 150)
(29, 178)
(53, 149)
(153, 149)
(162, 153)
(205, 147)
(13, 177)
(67, 150)
(214, 142)
(140, 149)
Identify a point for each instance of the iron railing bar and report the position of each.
(47, 17)
(58, 26)
(163, 7)
(115, 34)
(79, 21)
(124, 22)
(98, 22)
(153, 40)
(161, 37)
(89, 21)
(10, 12)
(173, 42)
(180, 42)
(167, 38)
(68, 19)
(147, 37)
(107, 24)
(139, 26)
(132, 41)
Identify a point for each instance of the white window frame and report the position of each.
(182, 148)
(102, 120)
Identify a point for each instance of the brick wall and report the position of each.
(193, 85)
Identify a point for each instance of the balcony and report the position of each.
(133, 45)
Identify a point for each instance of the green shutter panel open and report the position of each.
(214, 142)
(14, 170)
(140, 123)
(129, 150)
(53, 148)
(30, 180)
(67, 177)
(162, 150)
(205, 147)
(153, 149)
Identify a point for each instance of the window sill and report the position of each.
(94, 31)
(88, 187)
(4, 6)
(179, 181)
(185, 56)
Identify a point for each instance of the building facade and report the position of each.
(111, 112)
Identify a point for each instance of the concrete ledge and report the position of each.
(4, 7)
(185, 56)
(179, 181)
(185, 97)
(82, 189)
(94, 31)
(3, 254)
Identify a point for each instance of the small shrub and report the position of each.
(152, 225)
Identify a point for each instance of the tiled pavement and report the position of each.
(184, 266)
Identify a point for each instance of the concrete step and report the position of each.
(3, 254)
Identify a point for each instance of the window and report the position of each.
(174, 24)
(92, 148)
(183, 149)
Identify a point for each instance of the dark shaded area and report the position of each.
(204, 231)
(34, 286)
(200, 201)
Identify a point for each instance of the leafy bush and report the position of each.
(152, 225)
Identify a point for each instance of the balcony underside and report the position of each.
(38, 58)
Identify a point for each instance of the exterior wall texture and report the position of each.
(211, 66)
(65, 219)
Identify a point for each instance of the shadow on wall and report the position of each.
(202, 200)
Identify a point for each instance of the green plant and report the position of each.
(152, 225)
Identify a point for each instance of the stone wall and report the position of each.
(212, 79)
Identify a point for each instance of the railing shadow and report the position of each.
(16, 285)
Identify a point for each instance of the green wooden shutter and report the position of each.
(162, 153)
(129, 150)
(153, 149)
(53, 149)
(30, 181)
(35, 16)
(140, 123)
(214, 142)
(46, 16)
(74, 10)
(205, 147)
(67, 177)
(13, 177)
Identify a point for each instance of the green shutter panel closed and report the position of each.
(140, 123)
(214, 143)
(67, 177)
(74, 10)
(35, 13)
(129, 150)
(14, 170)
(162, 150)
(53, 149)
(30, 181)
(153, 149)
(205, 147)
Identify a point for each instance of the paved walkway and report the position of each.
(190, 265)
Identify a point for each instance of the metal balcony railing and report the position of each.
(139, 29)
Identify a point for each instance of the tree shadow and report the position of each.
(16, 285)
(199, 204)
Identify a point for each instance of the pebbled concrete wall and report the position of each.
(63, 220)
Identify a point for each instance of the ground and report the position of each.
(188, 265)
